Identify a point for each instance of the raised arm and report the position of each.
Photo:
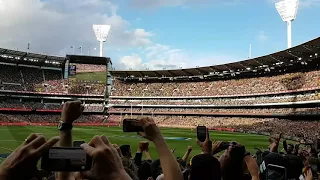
(71, 111)
(252, 167)
(187, 154)
(169, 164)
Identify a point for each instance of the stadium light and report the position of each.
(287, 10)
(101, 32)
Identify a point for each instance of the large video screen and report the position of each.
(87, 79)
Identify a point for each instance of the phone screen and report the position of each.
(201, 133)
(131, 125)
(66, 159)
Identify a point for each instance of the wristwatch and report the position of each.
(63, 126)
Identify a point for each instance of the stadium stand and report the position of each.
(280, 85)
(273, 94)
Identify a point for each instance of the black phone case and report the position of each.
(200, 135)
(77, 143)
(51, 164)
(130, 125)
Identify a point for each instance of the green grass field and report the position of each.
(12, 136)
(90, 76)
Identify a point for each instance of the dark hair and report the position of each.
(144, 171)
(205, 166)
(125, 149)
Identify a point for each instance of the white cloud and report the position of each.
(161, 56)
(131, 62)
(262, 36)
(53, 26)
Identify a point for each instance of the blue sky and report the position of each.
(156, 34)
(224, 30)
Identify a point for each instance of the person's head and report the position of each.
(232, 162)
(144, 171)
(274, 166)
(290, 148)
(126, 151)
(204, 166)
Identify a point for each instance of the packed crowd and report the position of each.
(291, 81)
(21, 78)
(89, 67)
(85, 88)
(34, 118)
(217, 110)
(298, 129)
(16, 104)
(112, 161)
(219, 101)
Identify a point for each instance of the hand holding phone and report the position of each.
(201, 133)
(78, 143)
(132, 125)
(107, 163)
(69, 159)
(204, 139)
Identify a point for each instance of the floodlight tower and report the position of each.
(288, 12)
(101, 32)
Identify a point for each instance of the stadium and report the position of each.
(248, 101)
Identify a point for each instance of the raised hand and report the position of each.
(71, 111)
(22, 162)
(143, 146)
(206, 145)
(216, 147)
(151, 131)
(107, 163)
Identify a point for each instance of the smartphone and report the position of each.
(131, 125)
(201, 133)
(275, 172)
(77, 143)
(67, 159)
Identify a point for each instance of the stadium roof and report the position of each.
(88, 59)
(13, 56)
(20, 57)
(303, 53)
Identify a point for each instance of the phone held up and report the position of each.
(201, 133)
(131, 125)
(78, 143)
(67, 159)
